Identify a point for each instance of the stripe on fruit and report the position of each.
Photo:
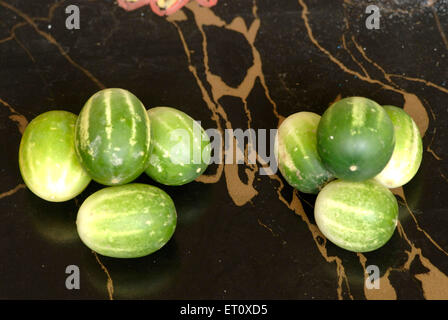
(296, 153)
(47, 159)
(356, 216)
(113, 137)
(112, 223)
(407, 155)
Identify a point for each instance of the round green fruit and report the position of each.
(355, 138)
(356, 216)
(47, 158)
(180, 147)
(407, 155)
(296, 151)
(113, 137)
(127, 221)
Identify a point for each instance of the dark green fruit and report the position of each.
(355, 138)
(113, 137)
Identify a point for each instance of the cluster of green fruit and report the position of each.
(350, 157)
(113, 141)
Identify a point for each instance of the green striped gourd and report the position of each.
(180, 147)
(407, 155)
(356, 216)
(113, 137)
(296, 152)
(355, 138)
(47, 158)
(128, 221)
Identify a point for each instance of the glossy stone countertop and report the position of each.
(240, 64)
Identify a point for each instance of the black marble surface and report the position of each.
(239, 64)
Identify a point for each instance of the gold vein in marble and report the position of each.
(110, 284)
